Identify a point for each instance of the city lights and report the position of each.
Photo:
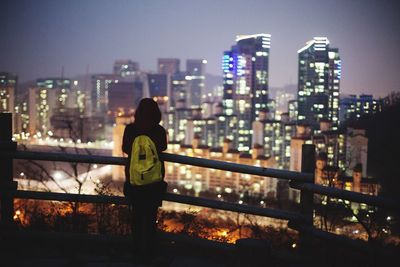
(58, 175)
(241, 113)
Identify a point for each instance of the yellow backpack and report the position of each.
(145, 166)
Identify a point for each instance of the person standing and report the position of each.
(145, 198)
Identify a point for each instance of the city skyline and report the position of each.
(44, 37)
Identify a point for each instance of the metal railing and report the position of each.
(303, 181)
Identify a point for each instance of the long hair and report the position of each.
(147, 114)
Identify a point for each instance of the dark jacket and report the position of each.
(148, 193)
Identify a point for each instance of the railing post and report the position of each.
(6, 171)
(307, 197)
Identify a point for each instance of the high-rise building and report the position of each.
(178, 89)
(195, 75)
(271, 136)
(8, 87)
(159, 88)
(50, 96)
(99, 92)
(125, 67)
(158, 85)
(8, 95)
(171, 68)
(168, 66)
(245, 81)
(318, 83)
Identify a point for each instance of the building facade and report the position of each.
(125, 68)
(353, 107)
(319, 70)
(245, 81)
(195, 76)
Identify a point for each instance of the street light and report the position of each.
(59, 175)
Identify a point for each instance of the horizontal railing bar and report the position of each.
(64, 157)
(200, 162)
(358, 244)
(347, 195)
(240, 168)
(196, 201)
(328, 191)
(228, 206)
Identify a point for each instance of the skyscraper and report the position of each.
(99, 92)
(245, 75)
(195, 71)
(318, 83)
(171, 68)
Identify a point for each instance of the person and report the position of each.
(145, 199)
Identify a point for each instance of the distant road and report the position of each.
(61, 172)
(71, 149)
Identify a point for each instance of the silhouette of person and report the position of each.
(145, 199)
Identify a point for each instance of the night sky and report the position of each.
(39, 37)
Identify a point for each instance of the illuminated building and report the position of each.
(225, 128)
(61, 87)
(195, 71)
(245, 81)
(274, 136)
(21, 116)
(211, 130)
(171, 68)
(57, 108)
(8, 87)
(344, 149)
(271, 107)
(216, 181)
(318, 83)
(99, 92)
(268, 134)
(180, 117)
(79, 98)
(50, 96)
(292, 109)
(125, 68)
(179, 88)
(8, 92)
(353, 107)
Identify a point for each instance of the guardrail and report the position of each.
(304, 181)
